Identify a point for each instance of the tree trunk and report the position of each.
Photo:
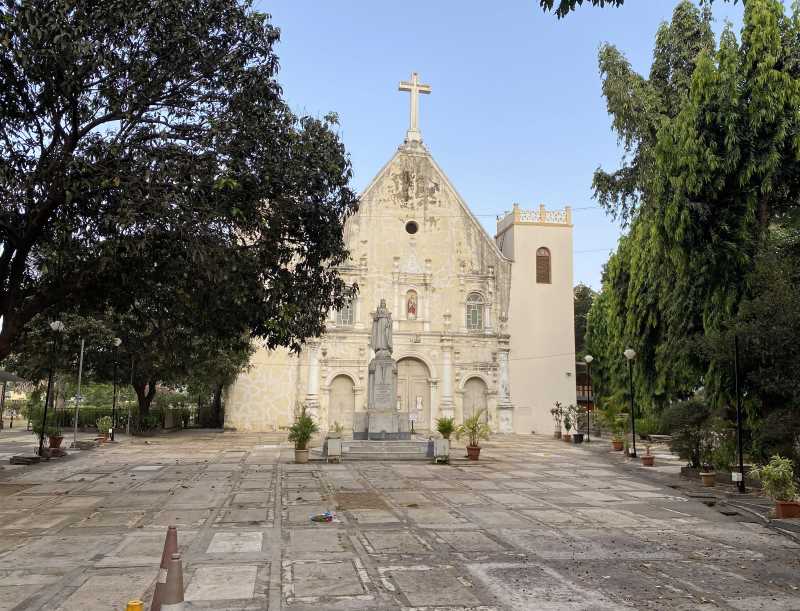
(216, 407)
(145, 391)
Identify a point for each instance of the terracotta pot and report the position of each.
(557, 435)
(55, 441)
(473, 452)
(617, 445)
(709, 479)
(566, 437)
(787, 509)
(648, 460)
(300, 456)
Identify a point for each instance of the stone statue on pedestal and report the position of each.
(382, 419)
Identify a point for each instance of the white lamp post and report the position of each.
(630, 354)
(589, 405)
(57, 327)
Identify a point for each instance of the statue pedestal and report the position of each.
(382, 421)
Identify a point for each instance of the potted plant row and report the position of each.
(778, 481)
(474, 429)
(300, 434)
(557, 412)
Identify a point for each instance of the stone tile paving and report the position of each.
(536, 524)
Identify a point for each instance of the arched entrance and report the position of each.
(342, 403)
(475, 397)
(414, 391)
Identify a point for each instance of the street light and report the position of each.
(116, 341)
(57, 327)
(588, 359)
(630, 354)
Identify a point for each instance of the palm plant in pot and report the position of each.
(55, 436)
(648, 460)
(618, 436)
(576, 412)
(441, 447)
(777, 479)
(474, 429)
(300, 434)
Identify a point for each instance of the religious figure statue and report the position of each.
(382, 329)
(411, 306)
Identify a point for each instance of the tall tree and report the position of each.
(583, 296)
(147, 144)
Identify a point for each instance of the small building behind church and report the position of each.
(479, 322)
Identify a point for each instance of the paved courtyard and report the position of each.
(536, 524)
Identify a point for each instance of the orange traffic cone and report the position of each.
(172, 596)
(135, 605)
(170, 547)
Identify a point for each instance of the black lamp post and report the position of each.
(117, 341)
(589, 405)
(58, 327)
(740, 483)
(630, 354)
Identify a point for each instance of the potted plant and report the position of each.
(300, 434)
(618, 429)
(441, 447)
(557, 412)
(103, 426)
(474, 429)
(55, 436)
(576, 411)
(708, 475)
(648, 460)
(777, 479)
(567, 427)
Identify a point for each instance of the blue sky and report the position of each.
(516, 113)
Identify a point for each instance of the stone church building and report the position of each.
(478, 321)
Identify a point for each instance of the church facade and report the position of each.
(479, 323)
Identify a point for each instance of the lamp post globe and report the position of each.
(57, 327)
(630, 354)
(589, 394)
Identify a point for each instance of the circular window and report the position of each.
(412, 227)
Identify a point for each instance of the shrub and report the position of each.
(474, 429)
(688, 423)
(445, 427)
(777, 477)
(303, 429)
(103, 424)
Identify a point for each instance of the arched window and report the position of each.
(543, 266)
(345, 315)
(411, 305)
(474, 312)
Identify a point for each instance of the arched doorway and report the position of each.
(475, 392)
(414, 391)
(342, 403)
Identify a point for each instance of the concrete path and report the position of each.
(536, 524)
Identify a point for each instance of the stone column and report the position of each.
(446, 404)
(505, 409)
(487, 317)
(434, 406)
(312, 389)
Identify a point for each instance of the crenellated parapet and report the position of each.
(540, 216)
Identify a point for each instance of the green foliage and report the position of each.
(150, 421)
(302, 429)
(564, 7)
(445, 427)
(648, 425)
(140, 143)
(710, 179)
(104, 424)
(583, 297)
(688, 422)
(777, 477)
(474, 429)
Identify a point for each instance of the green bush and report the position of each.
(777, 477)
(688, 422)
(445, 427)
(103, 424)
(302, 429)
(648, 425)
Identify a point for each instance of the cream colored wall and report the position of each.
(263, 397)
(541, 324)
